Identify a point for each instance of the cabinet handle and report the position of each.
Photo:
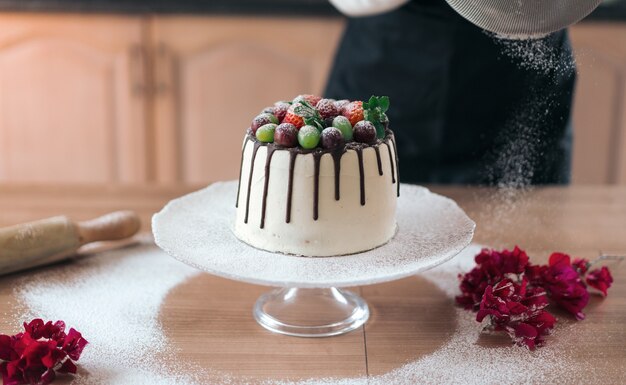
(163, 69)
(137, 72)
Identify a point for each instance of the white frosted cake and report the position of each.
(317, 179)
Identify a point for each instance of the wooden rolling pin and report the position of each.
(54, 239)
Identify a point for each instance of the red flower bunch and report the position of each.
(518, 310)
(513, 293)
(34, 356)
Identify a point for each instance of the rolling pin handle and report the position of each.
(114, 226)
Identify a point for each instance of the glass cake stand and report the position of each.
(309, 300)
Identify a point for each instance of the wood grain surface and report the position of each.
(208, 319)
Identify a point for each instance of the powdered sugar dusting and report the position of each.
(114, 300)
(462, 361)
(196, 229)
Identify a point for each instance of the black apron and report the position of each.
(462, 110)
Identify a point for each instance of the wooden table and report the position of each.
(209, 318)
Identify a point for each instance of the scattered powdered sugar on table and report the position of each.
(461, 360)
(114, 300)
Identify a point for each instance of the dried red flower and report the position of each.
(532, 331)
(502, 303)
(498, 263)
(34, 357)
(600, 279)
(492, 267)
(74, 344)
(517, 310)
(38, 329)
(563, 284)
(581, 265)
(473, 285)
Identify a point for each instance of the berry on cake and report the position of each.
(318, 178)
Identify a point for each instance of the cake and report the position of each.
(318, 178)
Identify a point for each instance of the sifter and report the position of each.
(523, 18)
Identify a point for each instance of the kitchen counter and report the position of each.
(613, 10)
(578, 220)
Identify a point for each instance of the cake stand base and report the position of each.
(310, 312)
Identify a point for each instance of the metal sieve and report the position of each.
(523, 18)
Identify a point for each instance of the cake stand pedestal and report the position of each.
(197, 230)
(310, 312)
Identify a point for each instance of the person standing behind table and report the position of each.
(456, 98)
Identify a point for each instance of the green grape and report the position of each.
(309, 137)
(265, 133)
(343, 124)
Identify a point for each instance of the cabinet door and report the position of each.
(71, 108)
(600, 104)
(214, 74)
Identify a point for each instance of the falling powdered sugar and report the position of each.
(522, 144)
(537, 53)
(533, 143)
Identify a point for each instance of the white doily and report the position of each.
(197, 229)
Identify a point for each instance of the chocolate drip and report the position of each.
(359, 154)
(256, 148)
(317, 156)
(395, 151)
(243, 152)
(337, 163)
(268, 160)
(378, 161)
(393, 172)
(292, 165)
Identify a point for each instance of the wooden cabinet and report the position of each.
(69, 107)
(214, 73)
(144, 99)
(600, 104)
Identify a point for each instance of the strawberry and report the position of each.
(312, 99)
(353, 111)
(326, 108)
(292, 117)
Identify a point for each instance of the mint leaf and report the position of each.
(301, 111)
(373, 102)
(383, 102)
(306, 110)
(380, 130)
(315, 122)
